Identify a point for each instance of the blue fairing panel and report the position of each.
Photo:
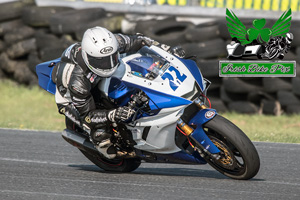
(119, 91)
(161, 100)
(193, 68)
(44, 72)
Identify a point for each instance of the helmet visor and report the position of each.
(105, 63)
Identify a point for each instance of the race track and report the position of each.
(41, 165)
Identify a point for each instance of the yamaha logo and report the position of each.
(106, 50)
(210, 114)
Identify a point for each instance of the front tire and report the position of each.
(113, 165)
(239, 158)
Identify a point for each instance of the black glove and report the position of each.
(138, 41)
(177, 51)
(144, 40)
(120, 114)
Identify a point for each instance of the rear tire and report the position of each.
(239, 159)
(114, 165)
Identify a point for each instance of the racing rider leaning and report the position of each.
(82, 66)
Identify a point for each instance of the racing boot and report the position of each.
(103, 143)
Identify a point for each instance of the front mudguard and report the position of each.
(199, 135)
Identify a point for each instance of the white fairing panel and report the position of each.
(161, 136)
(158, 84)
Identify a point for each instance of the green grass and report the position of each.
(34, 108)
(284, 128)
(25, 108)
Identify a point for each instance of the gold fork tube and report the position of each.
(200, 104)
(184, 127)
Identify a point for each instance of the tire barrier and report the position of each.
(202, 32)
(245, 107)
(30, 35)
(11, 10)
(70, 21)
(274, 84)
(271, 107)
(296, 86)
(170, 32)
(40, 16)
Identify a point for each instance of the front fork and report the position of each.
(195, 132)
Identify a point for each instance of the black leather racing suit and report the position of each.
(76, 83)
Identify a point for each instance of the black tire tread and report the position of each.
(128, 165)
(238, 138)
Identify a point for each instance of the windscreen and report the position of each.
(149, 65)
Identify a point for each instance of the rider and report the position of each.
(82, 66)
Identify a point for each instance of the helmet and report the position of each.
(100, 51)
(289, 38)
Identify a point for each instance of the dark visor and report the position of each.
(107, 62)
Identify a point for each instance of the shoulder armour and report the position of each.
(70, 54)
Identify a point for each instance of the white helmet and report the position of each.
(289, 38)
(99, 51)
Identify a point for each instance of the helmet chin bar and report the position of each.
(108, 61)
(104, 73)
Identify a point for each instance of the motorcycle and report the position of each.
(172, 122)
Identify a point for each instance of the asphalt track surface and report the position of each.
(41, 165)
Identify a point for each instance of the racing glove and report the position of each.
(120, 114)
(144, 40)
(138, 41)
(178, 51)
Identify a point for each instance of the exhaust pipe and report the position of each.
(79, 141)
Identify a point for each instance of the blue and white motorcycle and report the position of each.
(172, 123)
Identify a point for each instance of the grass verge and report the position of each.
(284, 128)
(24, 108)
(34, 108)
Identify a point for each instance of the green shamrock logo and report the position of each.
(259, 33)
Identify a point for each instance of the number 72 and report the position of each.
(179, 78)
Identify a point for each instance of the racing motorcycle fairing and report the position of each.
(164, 78)
(156, 133)
(169, 91)
(195, 71)
(171, 84)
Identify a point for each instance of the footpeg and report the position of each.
(124, 154)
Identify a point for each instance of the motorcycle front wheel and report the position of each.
(113, 165)
(239, 158)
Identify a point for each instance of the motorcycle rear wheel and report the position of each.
(239, 158)
(114, 165)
